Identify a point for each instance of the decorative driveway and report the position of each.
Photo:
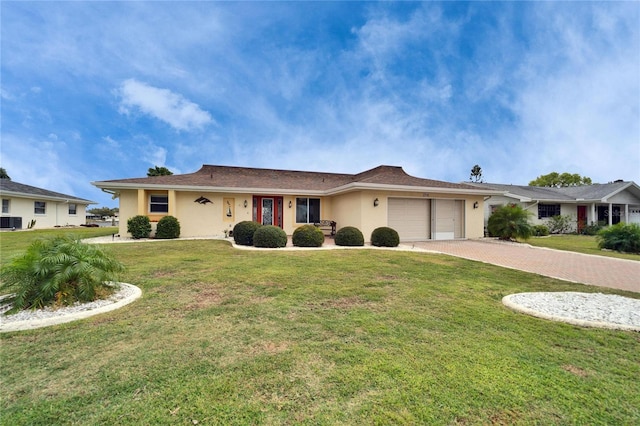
(576, 267)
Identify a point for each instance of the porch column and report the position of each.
(626, 213)
(142, 202)
(610, 214)
(594, 217)
(172, 203)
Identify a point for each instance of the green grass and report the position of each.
(15, 242)
(579, 243)
(226, 336)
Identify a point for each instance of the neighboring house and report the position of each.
(24, 205)
(604, 204)
(212, 200)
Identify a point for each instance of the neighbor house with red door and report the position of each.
(603, 204)
(210, 201)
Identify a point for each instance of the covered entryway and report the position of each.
(410, 217)
(268, 210)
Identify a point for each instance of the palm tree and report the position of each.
(59, 270)
(510, 222)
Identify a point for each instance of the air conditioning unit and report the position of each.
(11, 222)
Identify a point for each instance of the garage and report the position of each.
(410, 217)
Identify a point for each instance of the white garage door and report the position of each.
(410, 217)
(449, 219)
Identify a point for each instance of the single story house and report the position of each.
(604, 204)
(25, 206)
(210, 201)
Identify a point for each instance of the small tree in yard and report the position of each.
(510, 222)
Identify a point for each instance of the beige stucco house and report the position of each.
(212, 200)
(25, 206)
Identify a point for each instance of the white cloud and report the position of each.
(163, 104)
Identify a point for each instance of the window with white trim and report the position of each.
(158, 203)
(307, 210)
(5, 205)
(73, 209)
(548, 210)
(40, 207)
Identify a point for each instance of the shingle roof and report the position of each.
(271, 179)
(16, 188)
(595, 192)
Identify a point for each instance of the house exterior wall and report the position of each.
(56, 212)
(348, 209)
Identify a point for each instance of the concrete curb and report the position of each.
(73, 316)
(508, 302)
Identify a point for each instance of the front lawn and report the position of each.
(579, 243)
(225, 336)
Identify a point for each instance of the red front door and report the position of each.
(267, 210)
(582, 218)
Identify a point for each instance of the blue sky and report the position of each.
(104, 90)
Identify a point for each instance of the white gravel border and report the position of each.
(32, 319)
(583, 309)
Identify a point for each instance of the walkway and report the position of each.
(581, 268)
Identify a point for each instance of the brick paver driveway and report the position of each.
(581, 268)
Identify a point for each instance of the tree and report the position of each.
(3, 174)
(159, 171)
(476, 174)
(103, 211)
(510, 222)
(557, 180)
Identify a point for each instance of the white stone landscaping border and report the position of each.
(583, 309)
(127, 294)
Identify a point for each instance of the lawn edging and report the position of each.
(31, 324)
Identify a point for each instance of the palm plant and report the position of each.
(59, 270)
(510, 222)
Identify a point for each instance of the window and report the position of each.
(40, 207)
(5, 205)
(548, 210)
(73, 209)
(307, 210)
(159, 204)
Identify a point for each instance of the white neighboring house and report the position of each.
(603, 204)
(23, 205)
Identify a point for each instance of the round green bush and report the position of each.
(540, 230)
(385, 237)
(349, 236)
(270, 236)
(139, 227)
(243, 232)
(168, 228)
(307, 236)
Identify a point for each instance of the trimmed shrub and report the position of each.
(620, 237)
(168, 228)
(560, 224)
(270, 236)
(540, 230)
(139, 227)
(592, 229)
(59, 271)
(509, 222)
(308, 236)
(243, 232)
(349, 236)
(385, 237)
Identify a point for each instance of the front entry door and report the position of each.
(267, 211)
(582, 218)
